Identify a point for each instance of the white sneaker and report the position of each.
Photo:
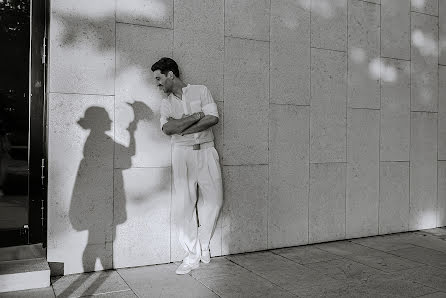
(205, 256)
(185, 268)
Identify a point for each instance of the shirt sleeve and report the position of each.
(209, 105)
(164, 112)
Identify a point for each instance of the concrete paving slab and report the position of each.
(368, 256)
(161, 281)
(426, 275)
(305, 254)
(387, 286)
(120, 294)
(41, 293)
(344, 269)
(84, 284)
(423, 255)
(244, 285)
(216, 268)
(383, 243)
(285, 273)
(435, 295)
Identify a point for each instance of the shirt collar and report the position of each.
(185, 88)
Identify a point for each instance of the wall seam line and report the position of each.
(223, 124)
(380, 111)
(245, 38)
(143, 25)
(89, 94)
(346, 126)
(309, 133)
(114, 136)
(171, 147)
(268, 130)
(334, 50)
(423, 13)
(410, 113)
(438, 108)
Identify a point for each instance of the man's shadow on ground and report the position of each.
(94, 207)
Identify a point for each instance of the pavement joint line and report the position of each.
(287, 291)
(105, 293)
(126, 283)
(212, 290)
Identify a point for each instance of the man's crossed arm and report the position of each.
(191, 124)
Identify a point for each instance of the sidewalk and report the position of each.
(398, 265)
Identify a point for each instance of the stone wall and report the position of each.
(333, 122)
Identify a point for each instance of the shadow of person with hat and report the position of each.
(92, 207)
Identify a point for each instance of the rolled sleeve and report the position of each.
(209, 105)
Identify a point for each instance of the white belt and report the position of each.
(196, 146)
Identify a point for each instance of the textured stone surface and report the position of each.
(161, 281)
(423, 171)
(329, 24)
(80, 188)
(442, 113)
(384, 243)
(425, 6)
(395, 29)
(156, 13)
(328, 99)
(327, 202)
(82, 47)
(244, 214)
(305, 254)
(298, 279)
(442, 33)
(423, 255)
(427, 275)
(247, 19)
(367, 256)
(364, 51)
(362, 173)
(246, 102)
(344, 269)
(441, 204)
(290, 52)
(288, 176)
(395, 110)
(199, 45)
(97, 283)
(228, 279)
(394, 197)
(142, 217)
(138, 47)
(424, 68)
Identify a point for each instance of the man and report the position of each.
(187, 115)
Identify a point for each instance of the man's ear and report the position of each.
(170, 75)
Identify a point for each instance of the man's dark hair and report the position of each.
(165, 65)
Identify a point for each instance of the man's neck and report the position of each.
(177, 89)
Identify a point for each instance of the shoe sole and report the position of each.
(205, 261)
(186, 272)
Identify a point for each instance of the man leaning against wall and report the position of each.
(187, 115)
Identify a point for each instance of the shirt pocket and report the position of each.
(195, 106)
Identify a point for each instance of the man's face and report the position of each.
(162, 81)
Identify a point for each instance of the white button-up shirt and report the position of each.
(196, 98)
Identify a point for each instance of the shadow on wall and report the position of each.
(92, 206)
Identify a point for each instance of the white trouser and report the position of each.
(196, 176)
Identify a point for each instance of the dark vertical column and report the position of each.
(37, 138)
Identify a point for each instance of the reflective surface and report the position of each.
(14, 113)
